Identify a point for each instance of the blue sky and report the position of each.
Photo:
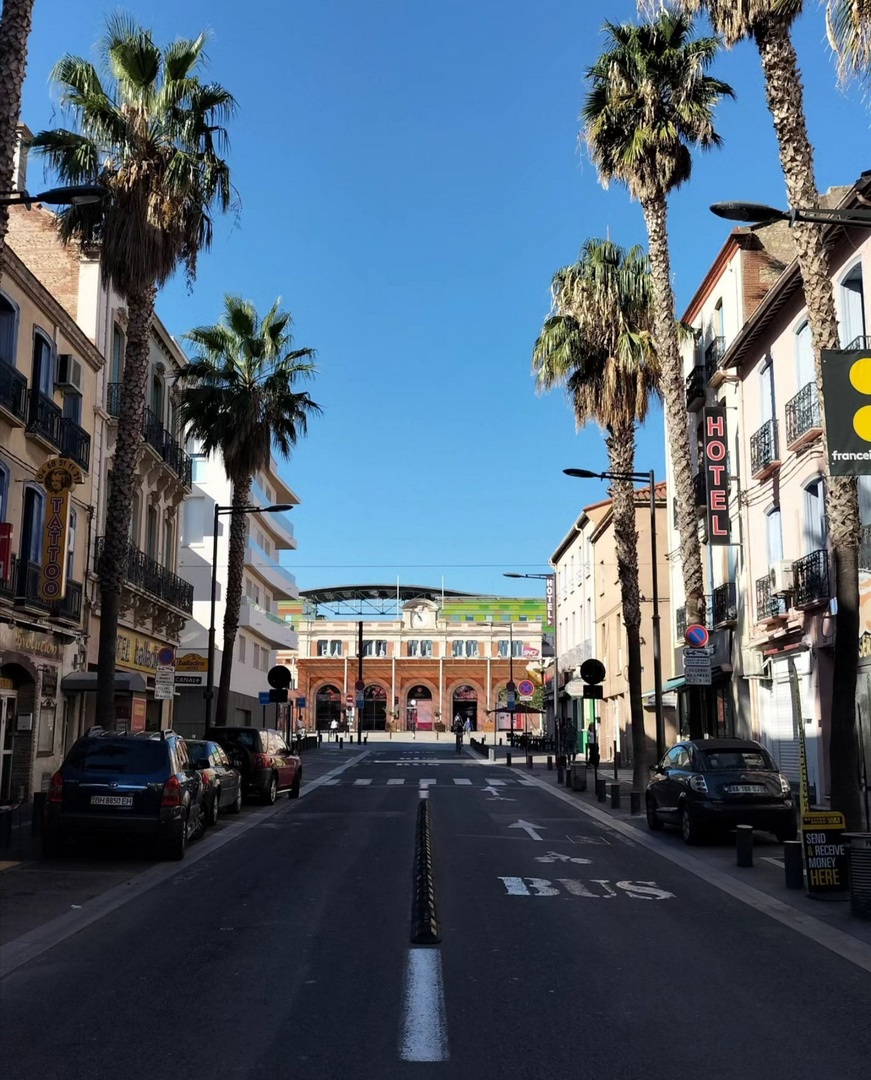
(410, 179)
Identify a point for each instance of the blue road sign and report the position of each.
(263, 697)
(696, 635)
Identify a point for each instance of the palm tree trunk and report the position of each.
(14, 33)
(783, 91)
(621, 455)
(113, 559)
(241, 497)
(677, 421)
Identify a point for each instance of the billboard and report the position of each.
(847, 395)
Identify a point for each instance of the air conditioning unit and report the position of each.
(69, 374)
(780, 578)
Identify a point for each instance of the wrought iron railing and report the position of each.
(13, 390)
(75, 442)
(810, 579)
(768, 606)
(696, 383)
(763, 447)
(26, 576)
(44, 417)
(724, 604)
(23, 587)
(802, 413)
(713, 354)
(156, 436)
(147, 574)
(70, 608)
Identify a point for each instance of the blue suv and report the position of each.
(112, 783)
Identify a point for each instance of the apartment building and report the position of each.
(267, 581)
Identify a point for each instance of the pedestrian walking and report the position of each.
(467, 727)
(458, 729)
(334, 729)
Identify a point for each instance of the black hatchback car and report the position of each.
(125, 785)
(707, 785)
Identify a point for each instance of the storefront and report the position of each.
(136, 708)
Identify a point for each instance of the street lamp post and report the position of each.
(76, 195)
(657, 653)
(760, 214)
(556, 717)
(210, 666)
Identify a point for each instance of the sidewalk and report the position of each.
(34, 890)
(766, 874)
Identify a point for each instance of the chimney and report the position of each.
(23, 134)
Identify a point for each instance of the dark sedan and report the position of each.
(710, 785)
(261, 755)
(222, 784)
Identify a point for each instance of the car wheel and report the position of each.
(294, 790)
(214, 809)
(271, 793)
(236, 807)
(789, 833)
(174, 849)
(52, 845)
(653, 822)
(689, 827)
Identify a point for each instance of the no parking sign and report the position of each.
(526, 688)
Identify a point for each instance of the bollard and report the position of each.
(793, 870)
(560, 774)
(491, 753)
(600, 788)
(529, 761)
(549, 763)
(508, 760)
(500, 742)
(341, 743)
(744, 845)
(38, 813)
(614, 794)
(634, 802)
(320, 738)
(6, 829)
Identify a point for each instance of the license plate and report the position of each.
(746, 789)
(111, 800)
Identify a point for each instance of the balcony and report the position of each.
(724, 605)
(44, 418)
(803, 423)
(768, 607)
(22, 587)
(155, 435)
(75, 443)
(279, 524)
(269, 626)
(696, 389)
(147, 574)
(282, 582)
(13, 393)
(763, 451)
(810, 577)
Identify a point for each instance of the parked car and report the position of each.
(222, 784)
(263, 758)
(112, 783)
(707, 785)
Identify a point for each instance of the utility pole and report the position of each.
(361, 686)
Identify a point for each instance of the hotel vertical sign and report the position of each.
(550, 604)
(58, 476)
(715, 449)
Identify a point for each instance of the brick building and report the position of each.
(440, 655)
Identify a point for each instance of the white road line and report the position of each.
(424, 793)
(425, 783)
(424, 1032)
(401, 780)
(462, 782)
(362, 783)
(496, 783)
(332, 783)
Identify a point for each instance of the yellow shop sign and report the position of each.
(139, 653)
(191, 662)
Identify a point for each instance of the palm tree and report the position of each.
(650, 102)
(597, 342)
(149, 130)
(240, 401)
(14, 33)
(768, 23)
(848, 25)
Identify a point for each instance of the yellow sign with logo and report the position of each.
(58, 476)
(191, 662)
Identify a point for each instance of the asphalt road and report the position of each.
(287, 953)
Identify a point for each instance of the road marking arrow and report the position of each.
(528, 827)
(495, 792)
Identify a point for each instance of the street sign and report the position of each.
(349, 699)
(360, 700)
(696, 635)
(279, 677)
(164, 683)
(263, 697)
(575, 688)
(593, 670)
(359, 685)
(825, 853)
(166, 657)
(510, 686)
(300, 702)
(692, 654)
(526, 688)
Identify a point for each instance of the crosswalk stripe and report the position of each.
(468, 783)
(496, 783)
(425, 783)
(332, 783)
(400, 781)
(362, 783)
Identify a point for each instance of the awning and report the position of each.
(85, 682)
